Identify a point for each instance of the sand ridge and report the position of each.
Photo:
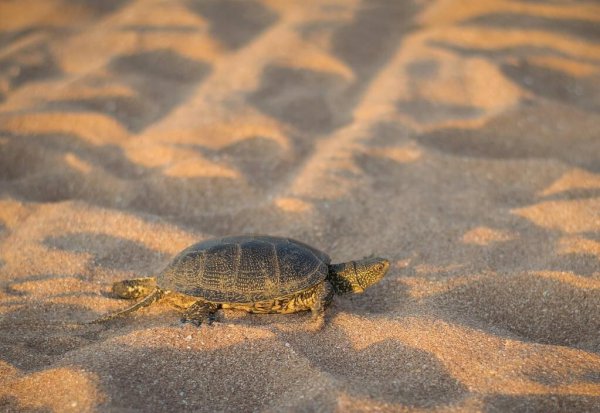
(459, 139)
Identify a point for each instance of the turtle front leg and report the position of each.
(134, 288)
(199, 312)
(322, 296)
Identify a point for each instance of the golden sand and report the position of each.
(457, 138)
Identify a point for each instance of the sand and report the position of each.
(459, 139)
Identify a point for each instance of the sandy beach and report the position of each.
(459, 139)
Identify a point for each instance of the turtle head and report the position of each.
(356, 276)
(134, 288)
(370, 271)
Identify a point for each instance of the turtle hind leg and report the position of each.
(321, 298)
(154, 296)
(134, 288)
(200, 312)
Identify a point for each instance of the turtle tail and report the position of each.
(154, 296)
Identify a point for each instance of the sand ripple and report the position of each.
(458, 139)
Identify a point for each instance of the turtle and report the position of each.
(254, 273)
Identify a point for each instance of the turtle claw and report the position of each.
(200, 313)
(317, 324)
(197, 323)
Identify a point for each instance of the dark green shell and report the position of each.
(245, 269)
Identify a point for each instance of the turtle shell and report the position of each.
(245, 269)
